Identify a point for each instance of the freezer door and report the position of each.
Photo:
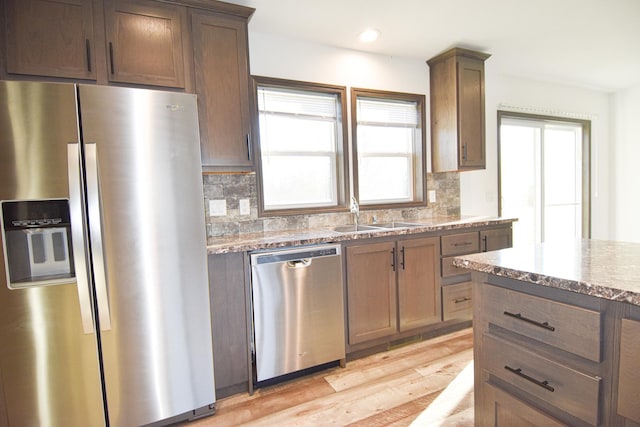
(148, 243)
(49, 371)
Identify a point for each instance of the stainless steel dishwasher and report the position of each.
(298, 309)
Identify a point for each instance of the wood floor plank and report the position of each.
(401, 415)
(393, 388)
(270, 400)
(451, 400)
(398, 352)
(392, 361)
(359, 402)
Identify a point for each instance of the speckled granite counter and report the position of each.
(604, 269)
(278, 239)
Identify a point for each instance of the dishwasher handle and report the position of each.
(299, 263)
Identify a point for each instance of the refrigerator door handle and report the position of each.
(77, 237)
(95, 233)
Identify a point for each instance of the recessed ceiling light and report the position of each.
(368, 36)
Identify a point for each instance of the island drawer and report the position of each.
(456, 301)
(460, 243)
(561, 386)
(567, 327)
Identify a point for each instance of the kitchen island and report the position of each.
(556, 334)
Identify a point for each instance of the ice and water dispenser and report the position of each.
(37, 242)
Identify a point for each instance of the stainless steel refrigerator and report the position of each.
(104, 300)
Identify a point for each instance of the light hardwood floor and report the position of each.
(429, 383)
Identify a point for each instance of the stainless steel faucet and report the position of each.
(355, 210)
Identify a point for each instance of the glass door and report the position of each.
(543, 177)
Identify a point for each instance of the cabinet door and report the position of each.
(371, 291)
(50, 38)
(229, 322)
(144, 42)
(471, 107)
(504, 410)
(629, 371)
(499, 238)
(220, 51)
(418, 282)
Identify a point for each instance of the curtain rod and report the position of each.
(545, 112)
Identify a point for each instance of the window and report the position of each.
(389, 148)
(302, 144)
(544, 176)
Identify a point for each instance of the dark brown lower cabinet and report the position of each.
(456, 282)
(496, 238)
(418, 282)
(392, 287)
(229, 323)
(371, 292)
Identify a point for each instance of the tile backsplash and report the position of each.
(236, 189)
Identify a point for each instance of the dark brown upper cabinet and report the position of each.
(50, 38)
(221, 62)
(195, 46)
(144, 42)
(457, 110)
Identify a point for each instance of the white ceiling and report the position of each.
(587, 43)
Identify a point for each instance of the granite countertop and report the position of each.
(279, 239)
(600, 268)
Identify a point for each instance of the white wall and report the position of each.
(275, 56)
(625, 167)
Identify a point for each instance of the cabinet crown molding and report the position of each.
(458, 51)
(216, 6)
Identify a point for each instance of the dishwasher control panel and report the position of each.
(289, 255)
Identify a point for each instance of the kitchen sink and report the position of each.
(396, 224)
(354, 228)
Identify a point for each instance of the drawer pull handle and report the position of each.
(459, 300)
(518, 371)
(519, 316)
(463, 244)
(112, 67)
